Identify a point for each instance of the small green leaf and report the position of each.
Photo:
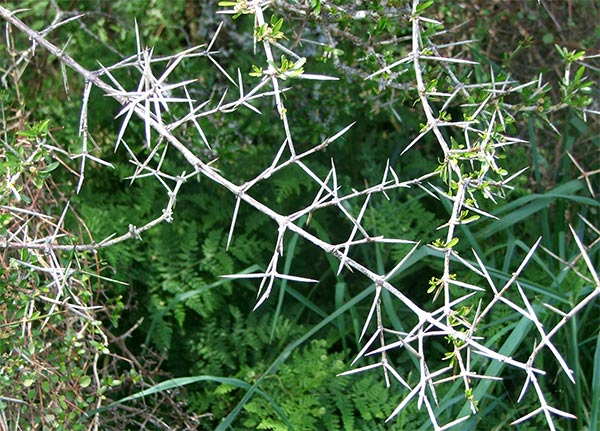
(52, 166)
(470, 219)
(438, 243)
(256, 71)
(422, 6)
(452, 242)
(315, 5)
(85, 381)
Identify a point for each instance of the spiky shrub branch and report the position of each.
(468, 172)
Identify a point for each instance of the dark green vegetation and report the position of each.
(148, 335)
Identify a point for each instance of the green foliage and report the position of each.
(236, 344)
(312, 397)
(402, 219)
(49, 346)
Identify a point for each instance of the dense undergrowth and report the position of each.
(146, 334)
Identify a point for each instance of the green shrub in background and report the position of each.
(197, 325)
(53, 352)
